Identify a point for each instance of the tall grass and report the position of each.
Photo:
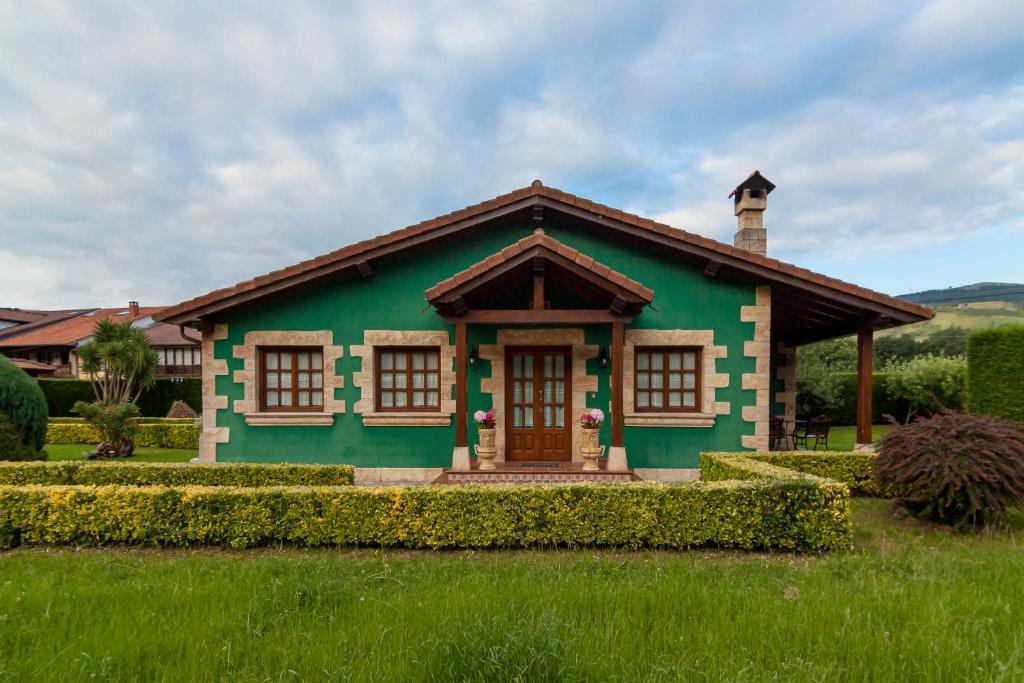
(911, 603)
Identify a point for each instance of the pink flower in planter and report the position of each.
(485, 420)
(592, 419)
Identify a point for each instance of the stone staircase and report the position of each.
(533, 473)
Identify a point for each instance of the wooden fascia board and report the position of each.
(760, 271)
(529, 316)
(259, 291)
(539, 251)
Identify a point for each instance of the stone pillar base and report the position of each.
(864, 448)
(460, 458)
(617, 459)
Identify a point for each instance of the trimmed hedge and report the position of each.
(783, 510)
(61, 395)
(174, 474)
(164, 434)
(140, 420)
(784, 516)
(995, 373)
(855, 469)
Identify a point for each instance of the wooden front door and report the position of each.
(538, 394)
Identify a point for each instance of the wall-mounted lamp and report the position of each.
(472, 356)
(602, 357)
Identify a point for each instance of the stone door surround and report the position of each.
(582, 383)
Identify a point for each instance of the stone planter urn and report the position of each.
(590, 451)
(486, 449)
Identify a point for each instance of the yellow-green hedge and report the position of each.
(796, 513)
(150, 434)
(855, 469)
(174, 474)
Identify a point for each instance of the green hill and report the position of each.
(967, 316)
(978, 292)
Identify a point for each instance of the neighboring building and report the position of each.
(540, 304)
(45, 343)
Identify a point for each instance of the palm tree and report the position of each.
(120, 362)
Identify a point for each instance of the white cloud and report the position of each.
(156, 152)
(856, 178)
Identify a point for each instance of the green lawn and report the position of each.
(73, 451)
(843, 438)
(911, 603)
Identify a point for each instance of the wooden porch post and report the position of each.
(618, 351)
(865, 344)
(461, 368)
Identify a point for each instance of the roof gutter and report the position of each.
(181, 330)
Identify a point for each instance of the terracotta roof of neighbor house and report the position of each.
(18, 315)
(539, 239)
(34, 365)
(772, 270)
(164, 334)
(67, 330)
(48, 318)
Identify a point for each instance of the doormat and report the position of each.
(539, 464)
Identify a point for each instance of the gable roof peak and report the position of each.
(767, 269)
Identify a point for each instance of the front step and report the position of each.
(524, 473)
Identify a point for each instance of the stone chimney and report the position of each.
(133, 309)
(750, 200)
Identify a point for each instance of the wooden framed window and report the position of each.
(291, 379)
(408, 378)
(179, 361)
(667, 379)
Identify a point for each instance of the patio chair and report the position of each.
(816, 432)
(778, 439)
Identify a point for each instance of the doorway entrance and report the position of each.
(538, 389)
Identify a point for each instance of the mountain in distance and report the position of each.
(978, 292)
(971, 307)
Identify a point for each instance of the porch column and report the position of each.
(617, 450)
(460, 456)
(461, 367)
(865, 344)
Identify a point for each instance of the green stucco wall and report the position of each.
(393, 299)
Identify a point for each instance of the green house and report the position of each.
(540, 305)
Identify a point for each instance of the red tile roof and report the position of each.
(757, 264)
(163, 334)
(26, 364)
(68, 331)
(19, 315)
(539, 239)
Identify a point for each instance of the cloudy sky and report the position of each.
(157, 152)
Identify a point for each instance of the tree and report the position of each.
(819, 390)
(120, 362)
(928, 384)
(24, 405)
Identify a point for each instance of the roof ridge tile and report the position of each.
(180, 312)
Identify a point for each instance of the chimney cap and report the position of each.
(755, 182)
